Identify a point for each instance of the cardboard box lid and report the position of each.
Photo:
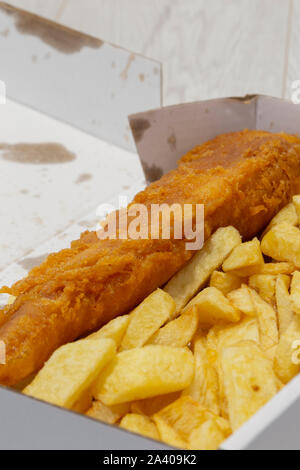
(64, 90)
(164, 135)
(76, 78)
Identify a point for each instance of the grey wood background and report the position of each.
(208, 49)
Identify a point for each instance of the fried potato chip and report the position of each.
(152, 405)
(246, 259)
(169, 435)
(84, 402)
(283, 302)
(212, 307)
(140, 424)
(212, 340)
(296, 202)
(23, 384)
(208, 436)
(143, 373)
(277, 268)
(205, 385)
(249, 381)
(287, 215)
(227, 335)
(241, 300)
(282, 243)
(108, 414)
(267, 322)
(287, 358)
(221, 336)
(115, 330)
(184, 416)
(179, 332)
(189, 280)
(147, 318)
(70, 371)
(295, 292)
(265, 285)
(225, 282)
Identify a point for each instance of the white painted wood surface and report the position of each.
(208, 49)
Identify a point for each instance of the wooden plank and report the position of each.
(209, 49)
(293, 62)
(126, 23)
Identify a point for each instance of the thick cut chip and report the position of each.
(267, 321)
(241, 300)
(265, 285)
(246, 330)
(288, 215)
(295, 292)
(246, 259)
(83, 404)
(145, 372)
(287, 358)
(277, 268)
(152, 405)
(140, 424)
(108, 414)
(115, 330)
(189, 280)
(282, 243)
(225, 282)
(220, 337)
(147, 318)
(212, 307)
(184, 416)
(283, 302)
(179, 332)
(249, 381)
(205, 385)
(296, 202)
(70, 371)
(169, 435)
(208, 436)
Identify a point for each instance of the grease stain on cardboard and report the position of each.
(153, 172)
(124, 73)
(83, 178)
(172, 142)
(36, 154)
(57, 36)
(139, 127)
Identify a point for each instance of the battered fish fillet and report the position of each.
(242, 178)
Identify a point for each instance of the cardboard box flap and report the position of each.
(74, 77)
(164, 135)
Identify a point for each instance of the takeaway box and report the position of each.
(60, 90)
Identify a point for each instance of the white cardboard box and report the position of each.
(162, 136)
(67, 89)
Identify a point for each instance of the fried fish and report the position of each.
(242, 179)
